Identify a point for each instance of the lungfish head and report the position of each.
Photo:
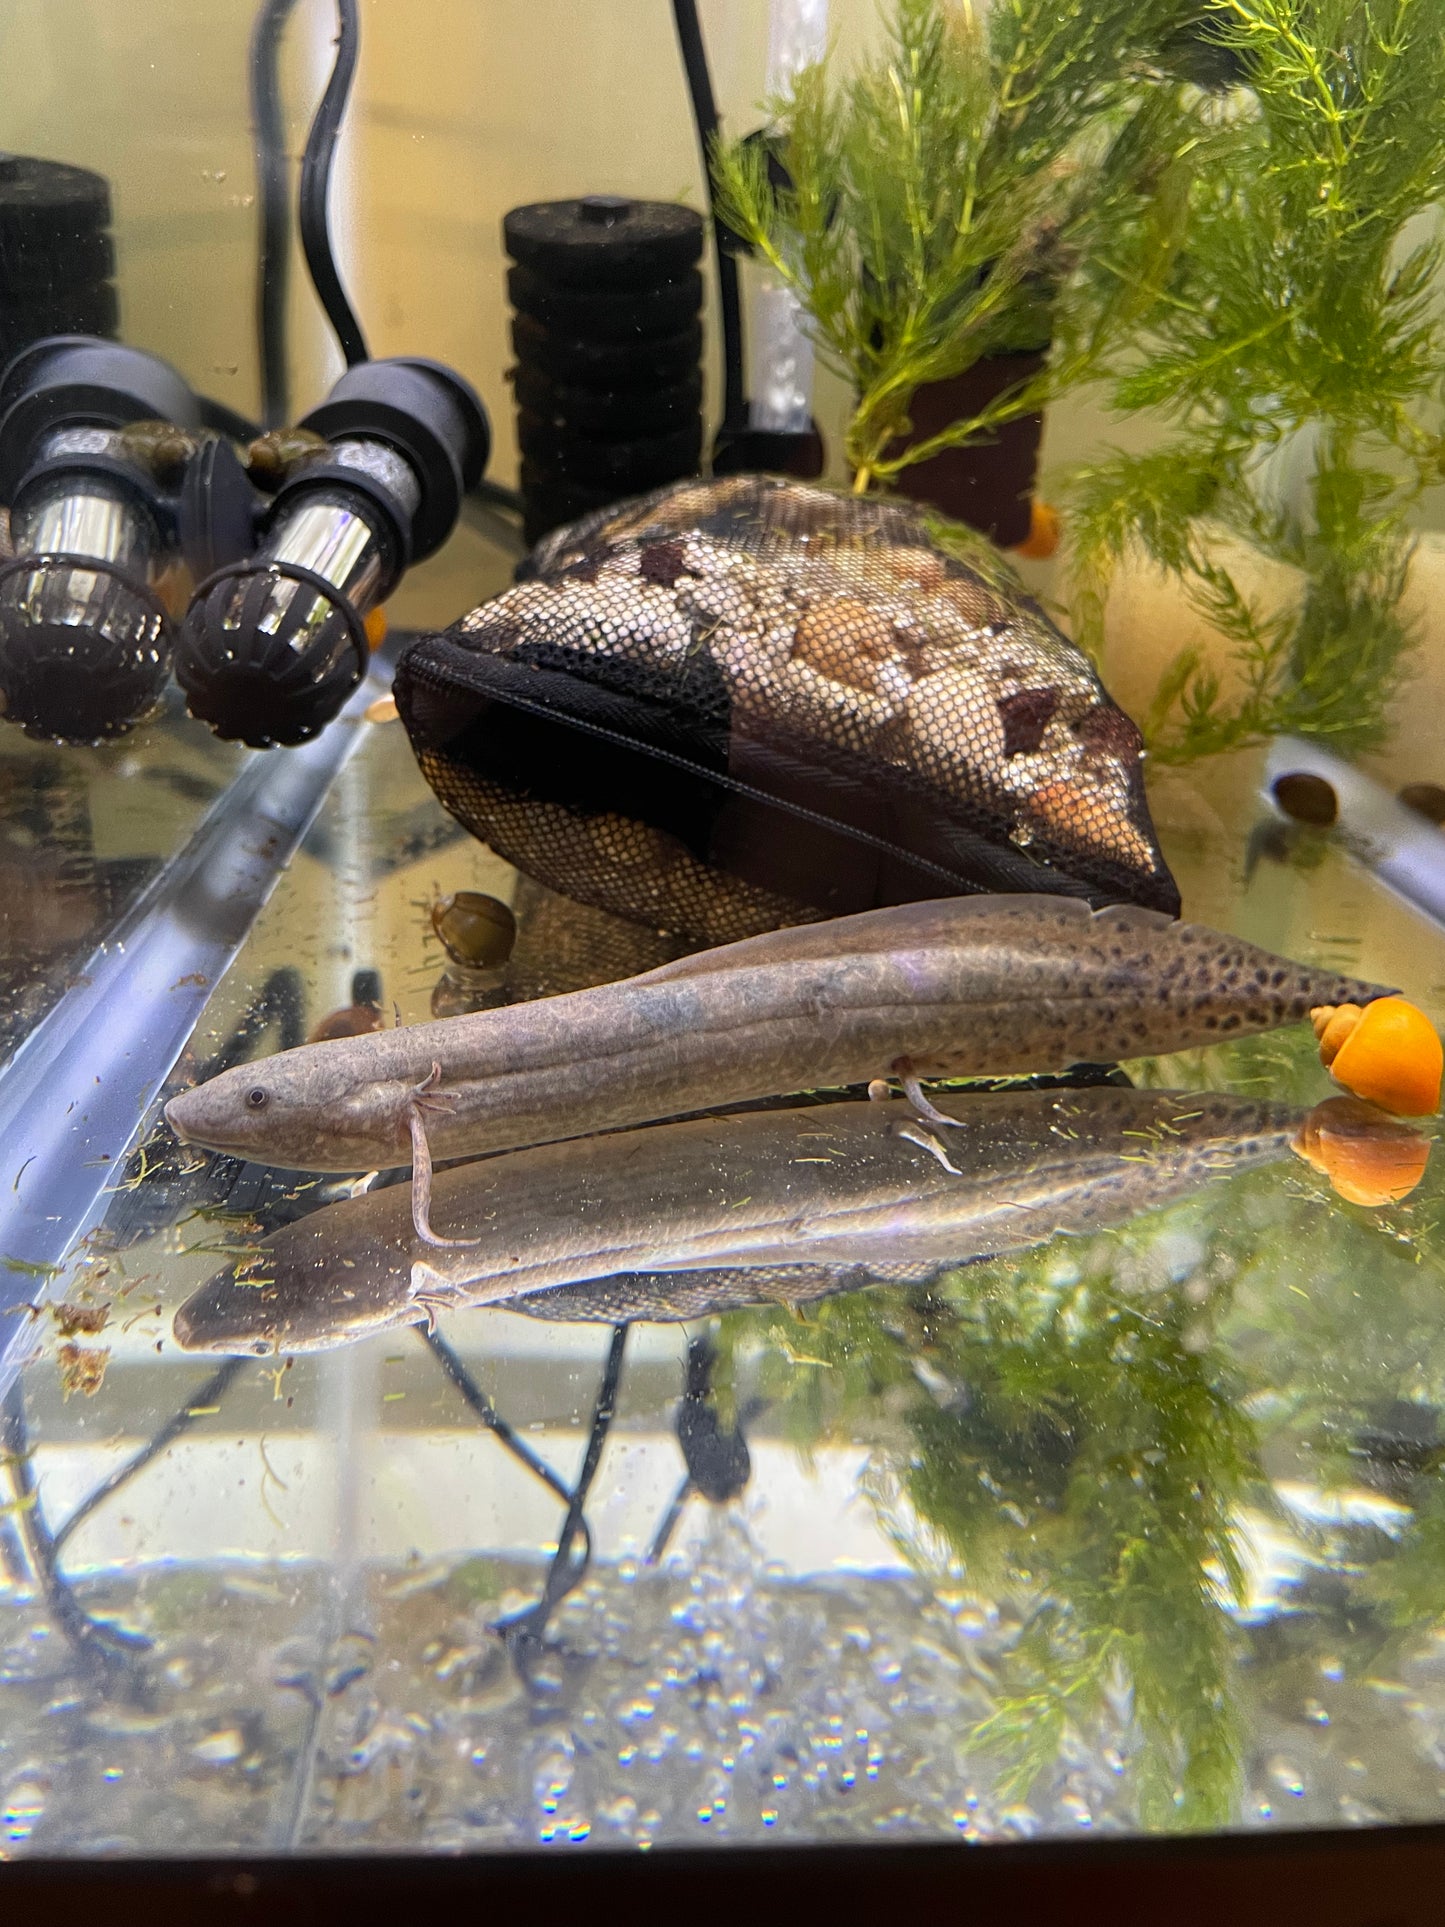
(304, 1110)
(295, 1295)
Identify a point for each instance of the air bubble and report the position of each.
(1286, 1776)
(220, 1749)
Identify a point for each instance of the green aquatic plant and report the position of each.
(1133, 1546)
(951, 199)
(1075, 1449)
(1299, 331)
(1081, 1433)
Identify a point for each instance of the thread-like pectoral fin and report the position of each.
(927, 1113)
(926, 1141)
(420, 1102)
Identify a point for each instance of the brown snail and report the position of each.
(1307, 798)
(273, 457)
(474, 930)
(477, 933)
(161, 447)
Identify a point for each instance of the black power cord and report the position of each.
(525, 1632)
(275, 231)
(273, 191)
(498, 495)
(316, 162)
(198, 1405)
(705, 116)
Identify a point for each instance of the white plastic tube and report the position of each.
(1396, 844)
(782, 354)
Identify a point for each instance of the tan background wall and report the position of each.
(463, 108)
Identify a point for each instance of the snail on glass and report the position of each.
(1388, 1052)
(272, 458)
(477, 932)
(160, 447)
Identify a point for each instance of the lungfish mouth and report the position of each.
(186, 1115)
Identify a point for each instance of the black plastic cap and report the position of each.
(64, 681)
(267, 685)
(431, 416)
(605, 240)
(80, 380)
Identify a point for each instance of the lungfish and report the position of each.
(676, 1220)
(962, 987)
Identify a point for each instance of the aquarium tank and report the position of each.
(722, 925)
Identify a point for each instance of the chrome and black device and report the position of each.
(273, 643)
(88, 431)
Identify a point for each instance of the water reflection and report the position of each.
(1094, 1444)
(1162, 1519)
(64, 883)
(680, 1220)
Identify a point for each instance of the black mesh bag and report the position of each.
(737, 704)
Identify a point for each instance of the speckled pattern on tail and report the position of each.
(1138, 982)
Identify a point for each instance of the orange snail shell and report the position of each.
(1368, 1158)
(1388, 1052)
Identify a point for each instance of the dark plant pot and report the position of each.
(739, 451)
(989, 486)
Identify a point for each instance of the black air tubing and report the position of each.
(705, 117)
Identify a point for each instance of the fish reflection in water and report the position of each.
(675, 1221)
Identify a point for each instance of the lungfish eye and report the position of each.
(256, 1099)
